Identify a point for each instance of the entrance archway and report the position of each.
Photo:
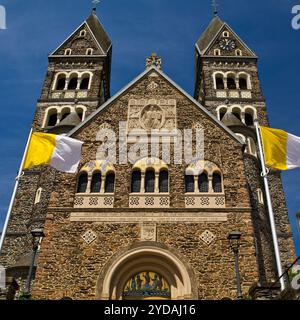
(156, 260)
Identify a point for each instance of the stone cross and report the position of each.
(153, 60)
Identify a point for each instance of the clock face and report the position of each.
(227, 44)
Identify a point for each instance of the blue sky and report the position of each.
(137, 28)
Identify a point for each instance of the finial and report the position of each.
(153, 60)
(215, 6)
(95, 2)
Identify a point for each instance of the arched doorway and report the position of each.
(139, 273)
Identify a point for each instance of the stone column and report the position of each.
(143, 182)
(196, 187)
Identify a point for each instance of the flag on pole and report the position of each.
(281, 149)
(60, 152)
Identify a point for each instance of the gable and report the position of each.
(79, 43)
(154, 88)
(227, 37)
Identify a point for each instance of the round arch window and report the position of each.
(147, 285)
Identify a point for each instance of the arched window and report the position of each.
(82, 183)
(96, 183)
(189, 183)
(219, 83)
(110, 183)
(243, 84)
(231, 83)
(203, 182)
(38, 195)
(68, 52)
(82, 33)
(238, 52)
(164, 181)
(237, 112)
(73, 83)
(249, 119)
(217, 182)
(65, 112)
(52, 119)
(136, 181)
(84, 85)
(222, 113)
(150, 181)
(260, 196)
(79, 112)
(252, 147)
(89, 51)
(217, 52)
(61, 83)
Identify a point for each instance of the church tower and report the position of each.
(77, 83)
(78, 78)
(227, 84)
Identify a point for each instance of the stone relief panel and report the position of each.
(148, 232)
(152, 114)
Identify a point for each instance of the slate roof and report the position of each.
(99, 32)
(207, 36)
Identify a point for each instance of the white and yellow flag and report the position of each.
(281, 149)
(60, 152)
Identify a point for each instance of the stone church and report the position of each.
(149, 229)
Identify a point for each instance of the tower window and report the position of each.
(222, 113)
(217, 52)
(249, 119)
(237, 114)
(231, 83)
(136, 182)
(150, 181)
(96, 183)
(52, 120)
(82, 33)
(82, 183)
(84, 85)
(110, 183)
(73, 83)
(65, 112)
(89, 52)
(189, 183)
(238, 52)
(225, 34)
(79, 112)
(68, 52)
(164, 181)
(203, 183)
(61, 83)
(220, 83)
(243, 84)
(217, 183)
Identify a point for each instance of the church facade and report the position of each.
(149, 228)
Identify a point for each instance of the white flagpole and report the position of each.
(9, 211)
(270, 207)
